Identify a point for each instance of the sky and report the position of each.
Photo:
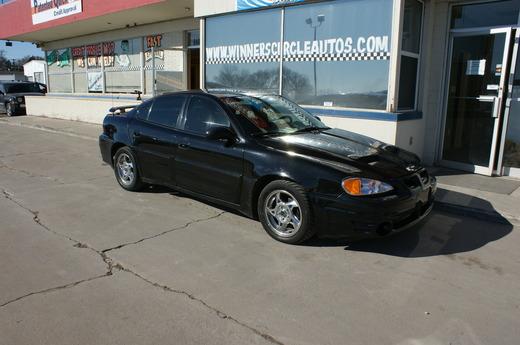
(20, 49)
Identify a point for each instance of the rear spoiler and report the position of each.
(122, 109)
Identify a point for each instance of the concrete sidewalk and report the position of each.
(488, 198)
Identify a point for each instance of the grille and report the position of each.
(417, 180)
(412, 181)
(424, 176)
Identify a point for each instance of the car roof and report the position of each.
(16, 82)
(215, 93)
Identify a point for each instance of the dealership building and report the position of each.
(436, 77)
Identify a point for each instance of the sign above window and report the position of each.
(249, 4)
(154, 41)
(47, 10)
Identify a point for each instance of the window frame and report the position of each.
(182, 124)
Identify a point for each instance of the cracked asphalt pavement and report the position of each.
(84, 262)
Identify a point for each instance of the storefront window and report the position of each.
(242, 52)
(59, 66)
(410, 54)
(122, 61)
(168, 60)
(94, 75)
(334, 53)
(117, 66)
(79, 68)
(337, 53)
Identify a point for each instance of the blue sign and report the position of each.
(249, 4)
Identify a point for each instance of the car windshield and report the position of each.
(272, 115)
(21, 87)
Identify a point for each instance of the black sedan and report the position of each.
(270, 159)
(12, 95)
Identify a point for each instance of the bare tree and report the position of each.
(15, 64)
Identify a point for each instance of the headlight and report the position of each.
(20, 99)
(364, 186)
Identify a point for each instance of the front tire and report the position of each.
(126, 170)
(285, 213)
(9, 109)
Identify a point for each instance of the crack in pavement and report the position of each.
(61, 287)
(111, 266)
(218, 312)
(77, 244)
(29, 174)
(163, 233)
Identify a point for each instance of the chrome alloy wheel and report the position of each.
(125, 169)
(283, 212)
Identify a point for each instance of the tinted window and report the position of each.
(407, 82)
(143, 110)
(166, 110)
(203, 114)
(412, 24)
(495, 13)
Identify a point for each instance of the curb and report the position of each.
(488, 216)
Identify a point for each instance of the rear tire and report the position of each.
(9, 109)
(126, 170)
(285, 212)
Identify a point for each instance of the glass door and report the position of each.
(509, 160)
(476, 81)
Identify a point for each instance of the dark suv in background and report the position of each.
(12, 95)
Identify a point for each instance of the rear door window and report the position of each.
(203, 114)
(166, 110)
(143, 110)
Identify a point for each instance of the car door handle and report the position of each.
(184, 146)
(136, 135)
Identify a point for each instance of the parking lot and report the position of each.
(84, 262)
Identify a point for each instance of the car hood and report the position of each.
(348, 148)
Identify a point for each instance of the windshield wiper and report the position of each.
(310, 129)
(268, 134)
(302, 130)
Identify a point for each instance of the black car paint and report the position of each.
(233, 174)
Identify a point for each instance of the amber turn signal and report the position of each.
(352, 186)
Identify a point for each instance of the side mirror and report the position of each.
(222, 134)
(1, 93)
(317, 117)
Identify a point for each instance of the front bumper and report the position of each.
(359, 218)
(19, 108)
